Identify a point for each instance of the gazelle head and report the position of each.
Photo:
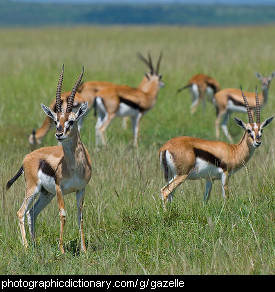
(265, 80)
(254, 130)
(65, 121)
(153, 74)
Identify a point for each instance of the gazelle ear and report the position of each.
(48, 112)
(240, 123)
(82, 110)
(266, 122)
(258, 75)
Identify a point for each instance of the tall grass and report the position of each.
(126, 230)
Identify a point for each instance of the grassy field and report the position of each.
(126, 230)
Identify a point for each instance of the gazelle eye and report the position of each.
(249, 131)
(71, 123)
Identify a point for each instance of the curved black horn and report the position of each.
(58, 91)
(157, 70)
(257, 107)
(250, 118)
(71, 98)
(148, 63)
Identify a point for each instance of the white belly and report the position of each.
(126, 110)
(47, 182)
(204, 169)
(235, 108)
(67, 186)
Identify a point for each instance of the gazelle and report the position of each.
(123, 100)
(86, 93)
(56, 170)
(230, 100)
(201, 85)
(191, 158)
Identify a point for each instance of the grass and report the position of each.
(126, 230)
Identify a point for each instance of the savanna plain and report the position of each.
(126, 229)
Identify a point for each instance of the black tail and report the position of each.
(184, 87)
(94, 106)
(11, 181)
(164, 163)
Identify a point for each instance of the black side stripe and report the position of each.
(206, 156)
(131, 104)
(235, 102)
(45, 167)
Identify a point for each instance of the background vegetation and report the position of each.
(126, 230)
(13, 13)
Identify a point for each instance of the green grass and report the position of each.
(126, 230)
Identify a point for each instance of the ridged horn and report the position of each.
(58, 91)
(148, 63)
(257, 107)
(158, 64)
(250, 117)
(73, 92)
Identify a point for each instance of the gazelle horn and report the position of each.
(58, 91)
(257, 107)
(250, 117)
(71, 98)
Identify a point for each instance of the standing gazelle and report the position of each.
(230, 100)
(123, 100)
(193, 158)
(56, 170)
(201, 85)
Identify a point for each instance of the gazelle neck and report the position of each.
(243, 151)
(72, 147)
(265, 95)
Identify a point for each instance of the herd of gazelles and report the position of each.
(66, 168)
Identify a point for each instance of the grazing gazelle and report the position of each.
(85, 93)
(123, 100)
(56, 170)
(201, 85)
(192, 158)
(230, 100)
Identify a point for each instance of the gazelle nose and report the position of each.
(58, 135)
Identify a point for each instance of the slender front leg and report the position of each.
(135, 124)
(80, 199)
(208, 188)
(224, 180)
(29, 197)
(172, 185)
(62, 213)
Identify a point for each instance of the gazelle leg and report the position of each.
(195, 98)
(218, 121)
(208, 188)
(99, 122)
(103, 127)
(224, 126)
(43, 200)
(30, 196)
(62, 213)
(124, 122)
(224, 181)
(172, 185)
(80, 200)
(135, 125)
